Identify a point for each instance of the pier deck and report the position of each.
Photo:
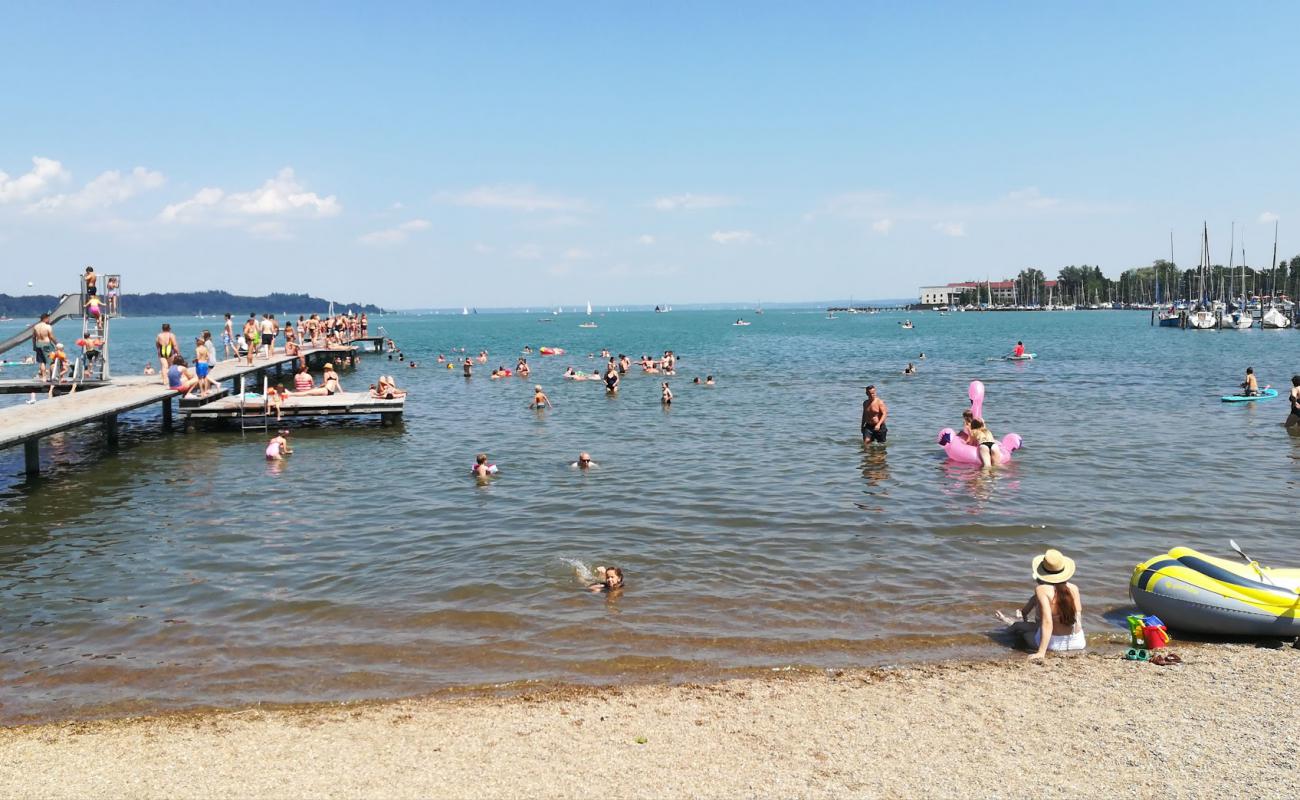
(342, 404)
(103, 402)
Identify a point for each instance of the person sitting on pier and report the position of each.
(329, 384)
(386, 389)
(302, 379)
(179, 377)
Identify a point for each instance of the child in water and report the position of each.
(612, 580)
(278, 447)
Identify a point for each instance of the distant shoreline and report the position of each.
(209, 303)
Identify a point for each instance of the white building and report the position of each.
(941, 295)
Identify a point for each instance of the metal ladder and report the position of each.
(92, 364)
(261, 411)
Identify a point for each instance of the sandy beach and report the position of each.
(1085, 726)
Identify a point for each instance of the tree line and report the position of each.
(190, 303)
(1163, 282)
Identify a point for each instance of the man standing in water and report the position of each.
(874, 414)
(43, 343)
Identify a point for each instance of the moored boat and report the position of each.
(1196, 593)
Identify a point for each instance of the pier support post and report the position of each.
(32, 455)
(110, 430)
(167, 414)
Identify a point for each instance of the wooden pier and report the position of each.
(103, 402)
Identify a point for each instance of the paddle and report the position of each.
(1233, 544)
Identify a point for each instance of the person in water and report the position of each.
(584, 462)
(482, 469)
(468, 367)
(611, 580)
(989, 449)
(965, 433)
(278, 447)
(909, 369)
(540, 400)
(708, 381)
(1060, 611)
(666, 396)
(611, 379)
(1250, 386)
(1019, 350)
(874, 415)
(1293, 419)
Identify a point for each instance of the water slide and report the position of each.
(69, 306)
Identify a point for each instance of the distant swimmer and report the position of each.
(278, 447)
(584, 462)
(482, 469)
(921, 357)
(1019, 350)
(909, 369)
(708, 381)
(540, 400)
(696, 380)
(666, 396)
(611, 580)
(874, 415)
(468, 368)
(1293, 419)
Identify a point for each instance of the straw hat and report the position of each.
(1052, 567)
(329, 365)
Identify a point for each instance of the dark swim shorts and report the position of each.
(875, 435)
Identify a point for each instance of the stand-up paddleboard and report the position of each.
(1266, 394)
(1025, 357)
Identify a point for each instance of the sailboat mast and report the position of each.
(1273, 289)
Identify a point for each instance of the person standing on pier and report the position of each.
(268, 334)
(167, 347)
(251, 337)
(874, 414)
(43, 343)
(228, 347)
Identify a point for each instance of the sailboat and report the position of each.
(1200, 317)
(464, 311)
(1273, 318)
(1242, 319)
(588, 323)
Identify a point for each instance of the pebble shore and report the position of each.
(1083, 726)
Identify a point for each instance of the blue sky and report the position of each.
(534, 154)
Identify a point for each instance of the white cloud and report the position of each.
(645, 239)
(527, 252)
(692, 202)
(883, 226)
(44, 174)
(484, 249)
(281, 197)
(109, 188)
(512, 198)
(396, 234)
(1031, 198)
(576, 254)
(951, 228)
(732, 237)
(1268, 216)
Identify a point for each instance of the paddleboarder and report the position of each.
(1019, 350)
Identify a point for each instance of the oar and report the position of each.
(1233, 544)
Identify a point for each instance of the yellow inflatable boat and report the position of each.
(1197, 593)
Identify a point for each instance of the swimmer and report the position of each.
(696, 380)
(909, 369)
(570, 373)
(149, 370)
(1293, 419)
(468, 367)
(412, 365)
(612, 580)
(482, 469)
(278, 447)
(921, 357)
(666, 396)
(611, 379)
(708, 381)
(540, 400)
(584, 462)
(874, 415)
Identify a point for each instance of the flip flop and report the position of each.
(1173, 658)
(1137, 654)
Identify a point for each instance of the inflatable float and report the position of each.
(1197, 593)
(958, 450)
(1266, 394)
(551, 351)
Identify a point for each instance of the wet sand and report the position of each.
(1084, 726)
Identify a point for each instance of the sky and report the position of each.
(422, 155)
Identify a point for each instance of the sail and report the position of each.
(589, 308)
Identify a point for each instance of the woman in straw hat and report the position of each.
(1059, 627)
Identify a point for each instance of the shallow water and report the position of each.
(754, 529)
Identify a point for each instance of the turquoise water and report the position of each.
(754, 529)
